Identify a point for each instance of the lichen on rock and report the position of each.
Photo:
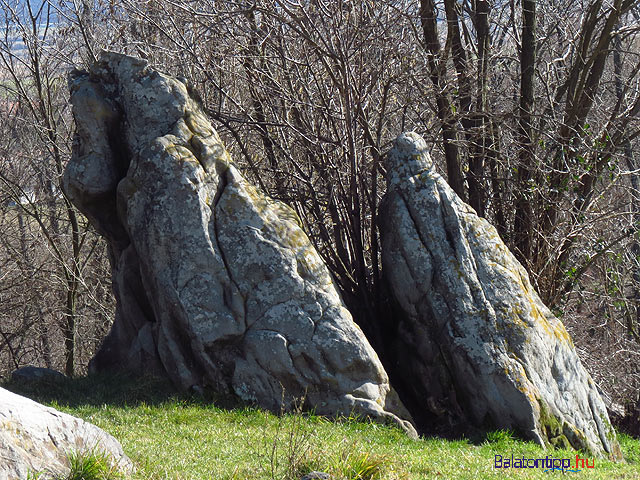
(475, 341)
(216, 284)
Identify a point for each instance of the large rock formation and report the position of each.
(216, 284)
(475, 341)
(37, 439)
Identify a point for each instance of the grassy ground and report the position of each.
(175, 437)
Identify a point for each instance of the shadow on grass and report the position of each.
(109, 389)
(126, 390)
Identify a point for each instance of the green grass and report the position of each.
(91, 465)
(84, 465)
(177, 437)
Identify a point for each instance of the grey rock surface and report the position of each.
(34, 373)
(35, 438)
(316, 476)
(474, 339)
(216, 284)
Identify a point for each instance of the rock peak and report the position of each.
(409, 157)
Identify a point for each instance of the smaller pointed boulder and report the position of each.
(475, 341)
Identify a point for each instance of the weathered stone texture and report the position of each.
(216, 284)
(475, 341)
(35, 438)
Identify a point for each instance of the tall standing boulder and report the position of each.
(216, 284)
(35, 439)
(474, 341)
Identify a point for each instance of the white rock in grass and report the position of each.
(35, 438)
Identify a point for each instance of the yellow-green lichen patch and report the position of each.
(424, 175)
(288, 230)
(223, 162)
(576, 437)
(286, 212)
(516, 373)
(555, 432)
(292, 237)
(234, 204)
(206, 197)
(479, 229)
(259, 201)
(280, 222)
(198, 124)
(556, 329)
(181, 132)
(288, 219)
(514, 315)
(616, 451)
(183, 155)
(179, 152)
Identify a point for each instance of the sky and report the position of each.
(20, 8)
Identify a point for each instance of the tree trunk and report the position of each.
(481, 133)
(444, 106)
(523, 223)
